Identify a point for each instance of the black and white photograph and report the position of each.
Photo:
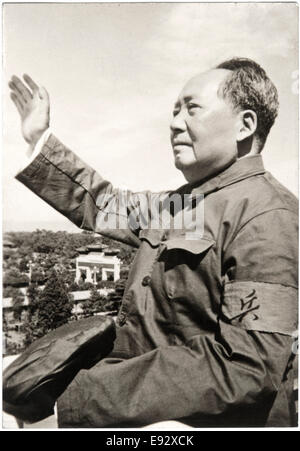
(150, 218)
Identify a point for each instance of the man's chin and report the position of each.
(177, 165)
(181, 164)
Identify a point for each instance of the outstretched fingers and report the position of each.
(17, 102)
(18, 86)
(32, 103)
(43, 94)
(32, 85)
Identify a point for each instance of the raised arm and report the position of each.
(66, 182)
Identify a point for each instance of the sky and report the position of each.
(113, 72)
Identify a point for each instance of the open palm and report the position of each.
(33, 105)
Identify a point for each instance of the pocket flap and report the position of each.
(194, 246)
(153, 237)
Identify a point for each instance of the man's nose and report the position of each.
(178, 123)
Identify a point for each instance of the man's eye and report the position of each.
(192, 106)
(175, 112)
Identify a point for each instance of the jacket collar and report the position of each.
(240, 170)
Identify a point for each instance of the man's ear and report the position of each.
(247, 125)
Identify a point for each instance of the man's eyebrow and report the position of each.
(185, 99)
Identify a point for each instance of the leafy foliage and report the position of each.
(38, 277)
(54, 307)
(15, 278)
(48, 242)
(10, 292)
(106, 284)
(95, 304)
(51, 258)
(17, 305)
(33, 299)
(115, 297)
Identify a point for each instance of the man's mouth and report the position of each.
(178, 146)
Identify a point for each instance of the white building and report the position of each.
(94, 259)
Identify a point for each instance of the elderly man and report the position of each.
(205, 330)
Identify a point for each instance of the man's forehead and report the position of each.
(203, 84)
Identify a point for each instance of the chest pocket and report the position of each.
(184, 262)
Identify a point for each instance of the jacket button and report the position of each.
(122, 319)
(146, 281)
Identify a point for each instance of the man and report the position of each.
(205, 331)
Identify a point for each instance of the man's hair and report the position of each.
(249, 87)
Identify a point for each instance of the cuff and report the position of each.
(37, 149)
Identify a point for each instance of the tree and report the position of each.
(37, 276)
(113, 302)
(17, 305)
(82, 286)
(54, 306)
(10, 292)
(49, 262)
(32, 293)
(115, 297)
(24, 264)
(88, 306)
(120, 287)
(106, 284)
(67, 276)
(32, 329)
(95, 304)
(15, 278)
(99, 301)
(4, 324)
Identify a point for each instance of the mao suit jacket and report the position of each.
(206, 330)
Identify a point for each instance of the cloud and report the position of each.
(198, 35)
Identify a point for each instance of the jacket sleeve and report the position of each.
(74, 189)
(231, 378)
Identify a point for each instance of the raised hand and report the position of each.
(32, 103)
